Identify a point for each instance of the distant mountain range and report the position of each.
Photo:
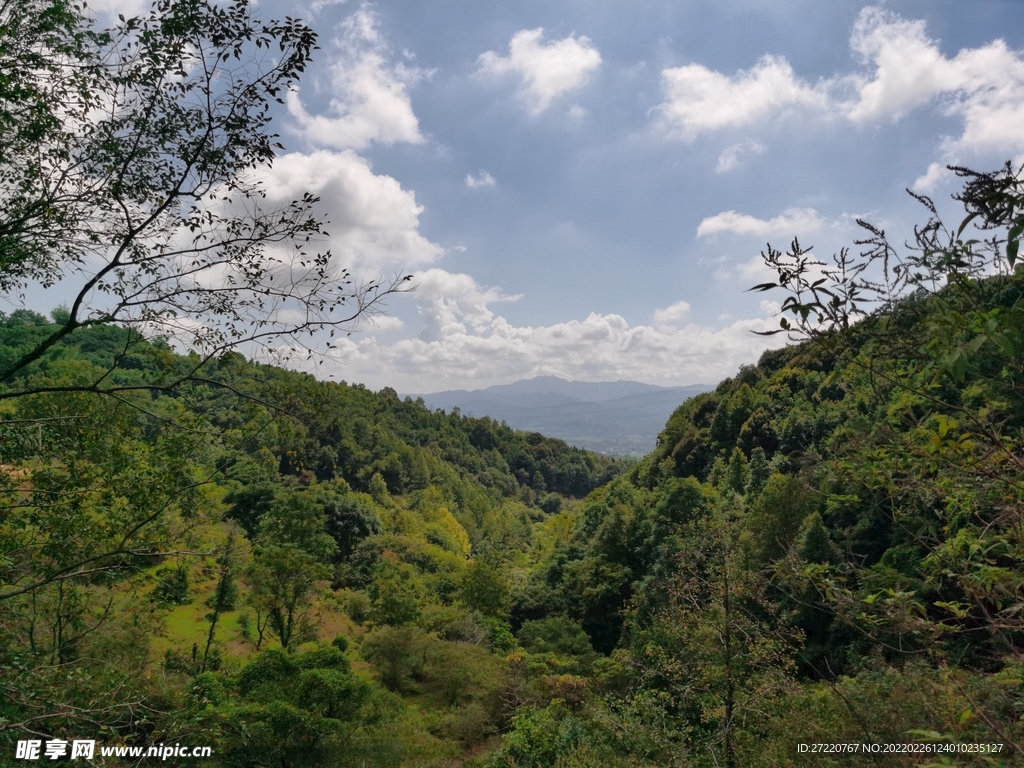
(613, 417)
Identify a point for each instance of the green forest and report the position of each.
(198, 548)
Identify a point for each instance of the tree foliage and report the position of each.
(135, 159)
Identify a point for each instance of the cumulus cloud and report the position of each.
(698, 99)
(547, 71)
(369, 94)
(448, 301)
(373, 222)
(789, 222)
(936, 173)
(909, 68)
(482, 179)
(983, 86)
(730, 156)
(468, 345)
(671, 315)
(902, 70)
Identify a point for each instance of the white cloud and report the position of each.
(482, 179)
(111, 8)
(373, 221)
(698, 99)
(730, 156)
(754, 271)
(903, 70)
(791, 221)
(467, 345)
(983, 86)
(370, 100)
(386, 322)
(318, 5)
(446, 299)
(909, 69)
(548, 71)
(936, 173)
(671, 315)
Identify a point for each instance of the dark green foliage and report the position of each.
(775, 518)
(813, 544)
(267, 676)
(551, 503)
(555, 635)
(484, 588)
(501, 638)
(557, 646)
(225, 595)
(398, 653)
(540, 737)
(682, 501)
(297, 518)
(637, 734)
(301, 710)
(223, 598)
(284, 583)
(172, 586)
(358, 606)
(208, 689)
(247, 504)
(760, 471)
(350, 518)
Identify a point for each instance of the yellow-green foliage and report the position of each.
(444, 530)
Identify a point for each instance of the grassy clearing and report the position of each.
(434, 731)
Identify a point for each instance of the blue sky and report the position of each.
(582, 188)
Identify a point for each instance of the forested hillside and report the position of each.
(204, 557)
(827, 548)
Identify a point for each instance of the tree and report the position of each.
(398, 652)
(132, 162)
(100, 497)
(396, 592)
(134, 159)
(484, 588)
(719, 645)
(224, 596)
(297, 518)
(775, 517)
(47, 67)
(306, 709)
(284, 582)
(291, 553)
(350, 519)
